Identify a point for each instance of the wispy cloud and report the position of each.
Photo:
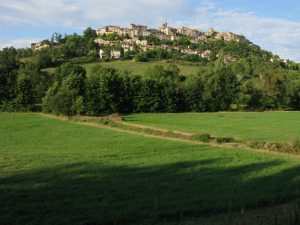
(83, 13)
(278, 35)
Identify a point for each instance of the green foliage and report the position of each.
(224, 139)
(76, 46)
(66, 95)
(105, 91)
(89, 33)
(220, 89)
(152, 39)
(48, 102)
(286, 147)
(24, 92)
(8, 74)
(42, 59)
(202, 137)
(193, 91)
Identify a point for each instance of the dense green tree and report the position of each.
(193, 91)
(220, 89)
(24, 92)
(67, 96)
(42, 59)
(8, 74)
(76, 45)
(104, 91)
(89, 33)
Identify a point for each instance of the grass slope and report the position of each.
(56, 172)
(273, 126)
(138, 67)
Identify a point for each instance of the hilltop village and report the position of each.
(141, 38)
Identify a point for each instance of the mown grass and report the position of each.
(57, 172)
(139, 67)
(267, 126)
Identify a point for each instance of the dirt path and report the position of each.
(120, 121)
(65, 118)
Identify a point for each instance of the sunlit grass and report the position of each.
(272, 126)
(56, 172)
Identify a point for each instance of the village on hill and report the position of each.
(136, 37)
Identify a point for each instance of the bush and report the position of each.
(287, 147)
(296, 145)
(224, 139)
(202, 137)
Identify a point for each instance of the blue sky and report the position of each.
(274, 25)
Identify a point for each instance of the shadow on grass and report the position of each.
(94, 193)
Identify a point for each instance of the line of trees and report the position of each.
(248, 84)
(107, 90)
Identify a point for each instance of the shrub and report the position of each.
(296, 145)
(224, 139)
(201, 137)
(287, 147)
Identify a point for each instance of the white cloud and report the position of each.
(18, 43)
(278, 35)
(82, 13)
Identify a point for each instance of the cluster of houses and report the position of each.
(134, 33)
(169, 33)
(164, 32)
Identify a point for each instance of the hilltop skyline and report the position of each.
(274, 25)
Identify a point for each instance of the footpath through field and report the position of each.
(117, 124)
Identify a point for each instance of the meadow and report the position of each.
(59, 172)
(139, 67)
(267, 126)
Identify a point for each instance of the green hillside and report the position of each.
(186, 68)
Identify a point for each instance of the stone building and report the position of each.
(169, 31)
(108, 30)
(188, 31)
(139, 29)
(38, 46)
(100, 41)
(229, 36)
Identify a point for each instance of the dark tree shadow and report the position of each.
(95, 193)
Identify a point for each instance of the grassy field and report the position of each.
(58, 172)
(272, 126)
(138, 67)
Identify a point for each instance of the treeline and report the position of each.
(247, 84)
(107, 90)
